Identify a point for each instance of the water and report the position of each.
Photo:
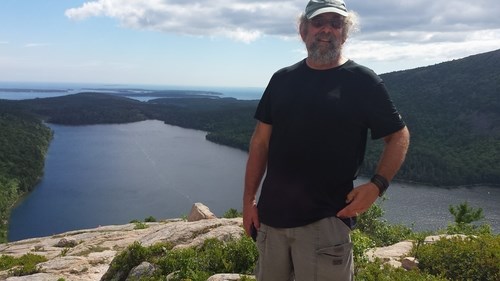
(426, 208)
(111, 174)
(31, 90)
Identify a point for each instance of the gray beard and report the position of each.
(324, 55)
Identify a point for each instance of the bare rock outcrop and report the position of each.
(85, 255)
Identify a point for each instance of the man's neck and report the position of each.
(320, 66)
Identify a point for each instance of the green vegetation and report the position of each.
(464, 219)
(24, 265)
(378, 231)
(475, 257)
(24, 141)
(232, 213)
(470, 258)
(452, 110)
(196, 264)
(150, 219)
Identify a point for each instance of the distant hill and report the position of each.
(452, 110)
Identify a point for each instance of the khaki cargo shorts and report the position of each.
(320, 251)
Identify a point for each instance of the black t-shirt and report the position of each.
(320, 120)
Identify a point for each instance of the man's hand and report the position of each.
(360, 200)
(250, 216)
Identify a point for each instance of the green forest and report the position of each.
(452, 110)
(23, 143)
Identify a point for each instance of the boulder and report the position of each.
(391, 254)
(409, 263)
(145, 269)
(200, 212)
(66, 243)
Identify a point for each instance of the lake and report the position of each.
(111, 174)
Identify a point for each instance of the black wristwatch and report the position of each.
(381, 183)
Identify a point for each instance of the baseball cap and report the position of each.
(316, 7)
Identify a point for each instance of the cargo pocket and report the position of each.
(334, 263)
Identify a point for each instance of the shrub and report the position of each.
(24, 265)
(465, 214)
(361, 243)
(464, 217)
(125, 261)
(140, 225)
(195, 264)
(214, 256)
(378, 230)
(150, 219)
(472, 258)
(377, 272)
(232, 213)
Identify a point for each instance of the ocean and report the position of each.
(31, 90)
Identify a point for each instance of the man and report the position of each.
(309, 141)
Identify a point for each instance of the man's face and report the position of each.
(322, 36)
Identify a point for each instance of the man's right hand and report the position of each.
(250, 217)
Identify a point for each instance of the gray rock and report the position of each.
(66, 243)
(145, 269)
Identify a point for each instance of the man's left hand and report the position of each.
(359, 200)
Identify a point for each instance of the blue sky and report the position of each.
(222, 42)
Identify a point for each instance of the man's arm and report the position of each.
(393, 156)
(255, 169)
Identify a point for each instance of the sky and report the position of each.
(228, 43)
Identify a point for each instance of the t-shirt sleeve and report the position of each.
(382, 116)
(264, 110)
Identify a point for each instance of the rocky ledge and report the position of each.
(85, 255)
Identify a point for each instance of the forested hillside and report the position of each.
(24, 141)
(452, 110)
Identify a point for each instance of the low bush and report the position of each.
(232, 213)
(150, 219)
(378, 230)
(471, 258)
(195, 264)
(134, 255)
(24, 265)
(376, 271)
(361, 243)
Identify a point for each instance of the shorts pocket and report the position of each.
(334, 263)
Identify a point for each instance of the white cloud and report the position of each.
(248, 20)
(386, 56)
(391, 30)
(240, 20)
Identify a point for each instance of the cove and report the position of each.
(112, 174)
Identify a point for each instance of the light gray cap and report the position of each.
(317, 7)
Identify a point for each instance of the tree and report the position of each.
(464, 214)
(464, 217)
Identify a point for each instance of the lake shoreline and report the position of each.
(185, 202)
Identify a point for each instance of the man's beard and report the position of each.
(323, 54)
